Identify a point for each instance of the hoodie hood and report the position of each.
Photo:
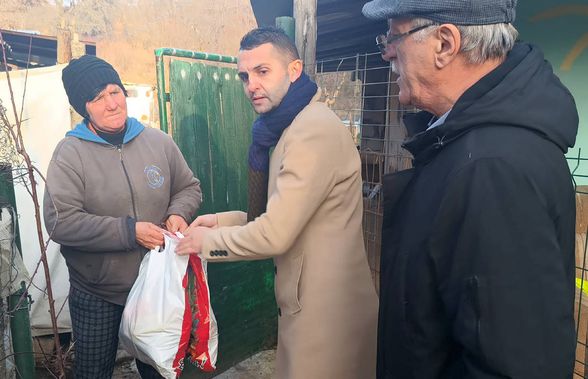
(522, 92)
(81, 131)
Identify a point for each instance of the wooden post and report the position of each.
(305, 16)
(63, 43)
(63, 46)
(77, 48)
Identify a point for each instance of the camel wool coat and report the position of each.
(312, 228)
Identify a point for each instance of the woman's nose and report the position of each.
(110, 102)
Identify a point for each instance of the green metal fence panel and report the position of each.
(6, 186)
(211, 123)
(7, 197)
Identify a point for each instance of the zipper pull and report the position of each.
(440, 142)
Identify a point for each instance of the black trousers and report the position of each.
(95, 323)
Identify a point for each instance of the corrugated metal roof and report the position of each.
(43, 49)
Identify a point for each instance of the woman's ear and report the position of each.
(295, 70)
(448, 44)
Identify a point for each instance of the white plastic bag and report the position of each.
(152, 327)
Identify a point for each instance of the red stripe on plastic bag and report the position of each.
(178, 363)
(200, 347)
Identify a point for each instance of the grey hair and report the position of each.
(479, 43)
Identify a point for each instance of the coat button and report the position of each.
(279, 312)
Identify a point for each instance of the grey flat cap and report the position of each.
(459, 12)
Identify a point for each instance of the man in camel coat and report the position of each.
(310, 223)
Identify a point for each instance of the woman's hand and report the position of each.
(149, 235)
(175, 223)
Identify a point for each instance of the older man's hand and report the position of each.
(192, 241)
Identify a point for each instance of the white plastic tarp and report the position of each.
(46, 118)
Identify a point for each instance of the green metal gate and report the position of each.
(211, 123)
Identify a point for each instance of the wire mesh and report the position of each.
(579, 166)
(363, 92)
(11, 272)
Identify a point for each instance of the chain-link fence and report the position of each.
(579, 166)
(362, 90)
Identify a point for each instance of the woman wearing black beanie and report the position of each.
(110, 183)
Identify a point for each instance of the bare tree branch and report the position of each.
(15, 132)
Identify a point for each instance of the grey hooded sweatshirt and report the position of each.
(96, 192)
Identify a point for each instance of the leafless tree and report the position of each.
(15, 149)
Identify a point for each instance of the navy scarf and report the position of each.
(268, 127)
(266, 132)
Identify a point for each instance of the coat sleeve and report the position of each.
(306, 176)
(66, 221)
(186, 195)
(506, 277)
(232, 218)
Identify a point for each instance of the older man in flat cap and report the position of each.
(477, 269)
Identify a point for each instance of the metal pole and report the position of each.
(288, 25)
(161, 94)
(20, 329)
(164, 97)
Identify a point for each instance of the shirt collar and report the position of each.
(436, 122)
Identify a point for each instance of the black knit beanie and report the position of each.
(84, 77)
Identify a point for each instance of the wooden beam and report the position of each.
(305, 15)
(63, 42)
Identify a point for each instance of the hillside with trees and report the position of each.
(126, 32)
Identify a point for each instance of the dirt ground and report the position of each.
(259, 366)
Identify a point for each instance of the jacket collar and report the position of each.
(81, 131)
(424, 144)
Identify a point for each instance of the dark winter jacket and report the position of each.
(96, 190)
(477, 268)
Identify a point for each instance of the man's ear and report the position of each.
(295, 70)
(448, 44)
